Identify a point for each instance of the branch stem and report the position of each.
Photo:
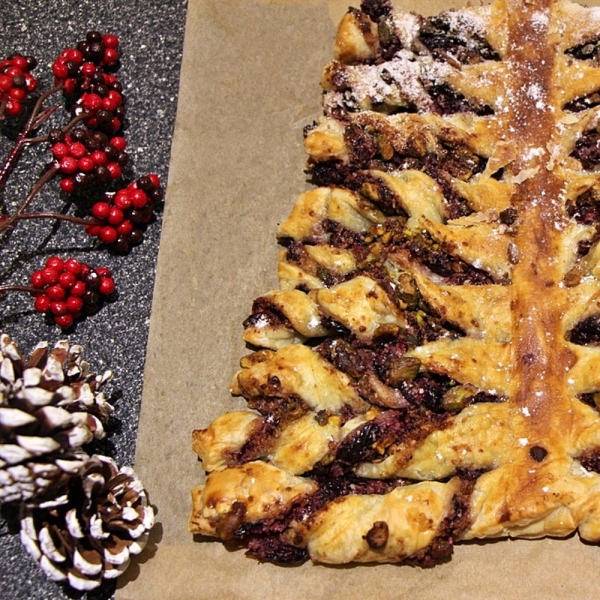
(19, 288)
(37, 118)
(58, 216)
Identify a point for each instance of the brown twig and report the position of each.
(37, 118)
(39, 184)
(18, 288)
(20, 215)
(53, 215)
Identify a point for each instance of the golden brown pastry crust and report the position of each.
(431, 363)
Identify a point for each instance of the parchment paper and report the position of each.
(250, 82)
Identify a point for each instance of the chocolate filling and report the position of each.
(462, 44)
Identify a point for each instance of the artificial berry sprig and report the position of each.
(16, 83)
(122, 216)
(68, 289)
(88, 150)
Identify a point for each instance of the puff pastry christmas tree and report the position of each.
(429, 370)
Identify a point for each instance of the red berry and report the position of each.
(155, 180)
(125, 228)
(58, 308)
(73, 266)
(99, 157)
(118, 142)
(18, 94)
(37, 280)
(20, 62)
(122, 199)
(79, 289)
(67, 280)
(85, 164)
(103, 271)
(69, 85)
(110, 41)
(115, 216)
(111, 56)
(30, 83)
(100, 210)
(77, 149)
(55, 262)
(93, 230)
(108, 235)
(74, 304)
(88, 68)
(13, 108)
(55, 292)
(60, 150)
(50, 276)
(114, 169)
(68, 165)
(107, 286)
(139, 198)
(42, 303)
(13, 71)
(91, 123)
(115, 96)
(60, 70)
(109, 103)
(85, 269)
(74, 55)
(115, 124)
(5, 83)
(67, 185)
(64, 321)
(91, 102)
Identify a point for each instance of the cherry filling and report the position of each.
(587, 51)
(586, 331)
(586, 208)
(372, 440)
(587, 149)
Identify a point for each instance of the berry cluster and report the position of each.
(75, 65)
(16, 82)
(104, 103)
(82, 71)
(84, 157)
(69, 289)
(123, 215)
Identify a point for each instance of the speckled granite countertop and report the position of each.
(151, 34)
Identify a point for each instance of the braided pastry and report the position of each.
(429, 370)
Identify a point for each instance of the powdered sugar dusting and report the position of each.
(398, 82)
(466, 22)
(540, 20)
(537, 93)
(407, 26)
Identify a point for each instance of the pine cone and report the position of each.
(50, 406)
(91, 531)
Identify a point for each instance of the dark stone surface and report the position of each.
(151, 34)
